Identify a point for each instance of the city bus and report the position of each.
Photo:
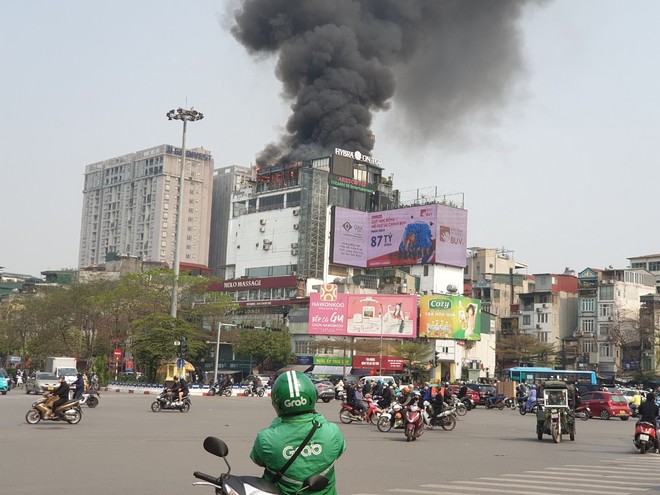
(530, 374)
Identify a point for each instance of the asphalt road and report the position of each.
(123, 447)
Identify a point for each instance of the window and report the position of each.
(527, 320)
(654, 266)
(588, 346)
(606, 293)
(605, 310)
(605, 350)
(588, 325)
(588, 304)
(541, 317)
(302, 348)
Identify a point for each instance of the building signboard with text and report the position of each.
(450, 317)
(362, 315)
(416, 235)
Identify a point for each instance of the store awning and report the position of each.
(295, 367)
(330, 370)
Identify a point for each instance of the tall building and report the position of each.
(130, 207)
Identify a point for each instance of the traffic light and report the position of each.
(183, 348)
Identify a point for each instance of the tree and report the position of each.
(269, 349)
(416, 356)
(520, 348)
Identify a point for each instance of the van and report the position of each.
(377, 378)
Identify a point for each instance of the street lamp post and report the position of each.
(183, 115)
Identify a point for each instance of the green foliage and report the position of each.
(272, 347)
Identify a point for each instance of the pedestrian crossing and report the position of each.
(623, 476)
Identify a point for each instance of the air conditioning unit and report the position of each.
(266, 247)
(545, 305)
(295, 226)
(296, 212)
(294, 252)
(538, 326)
(609, 318)
(538, 310)
(268, 241)
(294, 245)
(262, 229)
(262, 221)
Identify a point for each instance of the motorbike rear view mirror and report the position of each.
(315, 483)
(216, 447)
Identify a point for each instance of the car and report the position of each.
(606, 405)
(473, 394)
(586, 387)
(40, 382)
(484, 391)
(4, 381)
(378, 378)
(325, 390)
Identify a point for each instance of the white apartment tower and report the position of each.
(130, 207)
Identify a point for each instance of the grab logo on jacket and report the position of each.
(311, 449)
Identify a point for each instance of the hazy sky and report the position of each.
(563, 175)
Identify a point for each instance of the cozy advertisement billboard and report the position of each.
(408, 236)
(449, 317)
(362, 315)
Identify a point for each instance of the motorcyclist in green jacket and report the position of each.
(294, 397)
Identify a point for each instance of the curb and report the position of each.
(156, 391)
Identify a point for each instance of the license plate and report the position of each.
(644, 438)
(555, 415)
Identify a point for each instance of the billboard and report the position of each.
(362, 315)
(450, 317)
(407, 236)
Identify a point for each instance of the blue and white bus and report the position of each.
(531, 374)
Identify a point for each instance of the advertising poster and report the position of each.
(450, 317)
(407, 236)
(349, 242)
(363, 315)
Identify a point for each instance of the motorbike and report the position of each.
(224, 390)
(523, 408)
(251, 392)
(495, 401)
(510, 403)
(469, 402)
(165, 401)
(414, 422)
(228, 484)
(446, 419)
(461, 408)
(645, 435)
(391, 418)
(69, 411)
(91, 398)
(583, 412)
(340, 393)
(555, 417)
(348, 413)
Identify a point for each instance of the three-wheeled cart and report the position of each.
(555, 418)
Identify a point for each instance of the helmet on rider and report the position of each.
(293, 393)
(405, 390)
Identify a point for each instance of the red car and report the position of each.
(473, 394)
(606, 405)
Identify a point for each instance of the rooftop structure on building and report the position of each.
(650, 262)
(130, 207)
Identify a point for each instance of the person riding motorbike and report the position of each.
(648, 412)
(360, 401)
(79, 386)
(62, 394)
(182, 390)
(406, 397)
(462, 392)
(293, 397)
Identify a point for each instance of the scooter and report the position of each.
(216, 389)
(391, 418)
(89, 397)
(460, 406)
(446, 419)
(510, 402)
(583, 412)
(165, 401)
(251, 392)
(227, 484)
(469, 402)
(414, 422)
(69, 411)
(495, 401)
(645, 435)
(348, 413)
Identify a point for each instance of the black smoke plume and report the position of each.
(340, 61)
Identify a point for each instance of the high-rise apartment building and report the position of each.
(130, 207)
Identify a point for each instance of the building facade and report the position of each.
(130, 207)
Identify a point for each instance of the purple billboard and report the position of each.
(407, 236)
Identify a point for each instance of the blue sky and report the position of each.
(564, 175)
